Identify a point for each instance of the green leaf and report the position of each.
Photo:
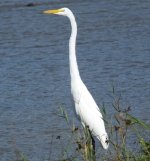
(138, 121)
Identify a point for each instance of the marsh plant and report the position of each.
(122, 127)
(127, 137)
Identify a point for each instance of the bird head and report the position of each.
(61, 11)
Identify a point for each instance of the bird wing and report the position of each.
(89, 112)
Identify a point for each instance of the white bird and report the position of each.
(85, 106)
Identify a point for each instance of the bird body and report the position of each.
(88, 111)
(85, 106)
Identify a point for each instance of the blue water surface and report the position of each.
(113, 48)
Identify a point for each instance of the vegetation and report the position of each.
(122, 127)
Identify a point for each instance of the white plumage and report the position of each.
(85, 106)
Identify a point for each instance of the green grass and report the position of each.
(20, 156)
(121, 127)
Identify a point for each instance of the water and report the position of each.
(112, 47)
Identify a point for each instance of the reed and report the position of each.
(121, 127)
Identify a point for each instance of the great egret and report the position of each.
(85, 106)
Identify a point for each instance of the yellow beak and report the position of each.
(53, 11)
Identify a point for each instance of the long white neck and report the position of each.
(74, 72)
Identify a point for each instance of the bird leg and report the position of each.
(90, 143)
(93, 142)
